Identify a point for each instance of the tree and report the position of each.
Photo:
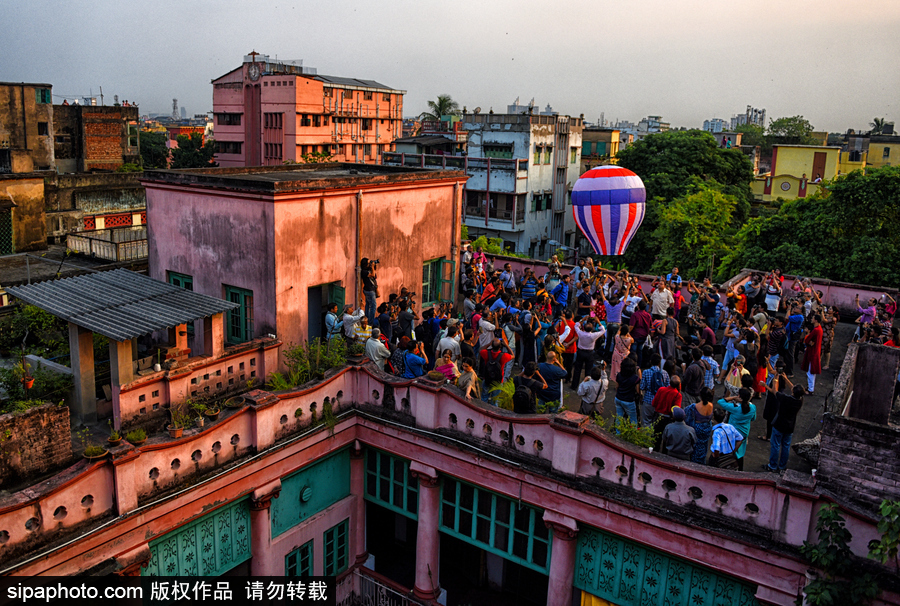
(193, 152)
(846, 232)
(693, 230)
(755, 135)
(794, 130)
(676, 164)
(154, 153)
(444, 105)
(877, 126)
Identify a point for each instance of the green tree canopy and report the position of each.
(847, 233)
(444, 105)
(674, 165)
(877, 126)
(794, 130)
(154, 153)
(193, 152)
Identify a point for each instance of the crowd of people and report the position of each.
(664, 351)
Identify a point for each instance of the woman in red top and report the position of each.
(812, 357)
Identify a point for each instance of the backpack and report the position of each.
(492, 369)
(656, 382)
(522, 397)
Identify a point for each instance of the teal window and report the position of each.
(43, 95)
(548, 154)
(497, 150)
(186, 282)
(335, 549)
(299, 563)
(437, 281)
(586, 148)
(601, 148)
(390, 484)
(497, 524)
(240, 319)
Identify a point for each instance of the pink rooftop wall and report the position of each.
(126, 487)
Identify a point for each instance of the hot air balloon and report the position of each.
(609, 205)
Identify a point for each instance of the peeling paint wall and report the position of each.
(29, 229)
(26, 127)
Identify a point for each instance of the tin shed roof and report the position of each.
(119, 304)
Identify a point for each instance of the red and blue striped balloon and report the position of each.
(609, 204)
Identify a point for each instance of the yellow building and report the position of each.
(599, 146)
(884, 150)
(797, 171)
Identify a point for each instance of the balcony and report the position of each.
(116, 244)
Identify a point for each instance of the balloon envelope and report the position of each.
(609, 204)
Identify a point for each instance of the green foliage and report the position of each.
(843, 582)
(444, 105)
(154, 153)
(673, 165)
(877, 126)
(136, 435)
(308, 361)
(464, 232)
(356, 349)
(328, 416)
(692, 229)
(626, 430)
(502, 394)
(193, 152)
(492, 246)
(793, 130)
(180, 415)
(544, 408)
(755, 135)
(130, 167)
(113, 432)
(845, 233)
(317, 158)
(49, 386)
(885, 549)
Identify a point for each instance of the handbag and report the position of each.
(648, 344)
(726, 461)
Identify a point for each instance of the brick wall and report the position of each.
(34, 442)
(858, 460)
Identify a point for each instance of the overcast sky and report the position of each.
(835, 62)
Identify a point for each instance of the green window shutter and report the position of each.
(601, 148)
(299, 563)
(534, 202)
(336, 295)
(630, 574)
(390, 484)
(586, 148)
(537, 154)
(514, 531)
(240, 320)
(335, 549)
(209, 546)
(186, 282)
(447, 283)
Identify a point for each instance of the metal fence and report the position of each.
(362, 588)
(115, 244)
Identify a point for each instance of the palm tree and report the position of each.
(877, 126)
(443, 106)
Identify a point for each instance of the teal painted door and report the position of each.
(240, 320)
(209, 546)
(629, 574)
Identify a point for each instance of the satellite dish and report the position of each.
(477, 110)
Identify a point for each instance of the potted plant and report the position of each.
(234, 402)
(212, 412)
(91, 451)
(23, 372)
(436, 376)
(179, 418)
(136, 436)
(356, 353)
(115, 438)
(158, 366)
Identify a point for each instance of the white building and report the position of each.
(522, 169)
(752, 115)
(716, 125)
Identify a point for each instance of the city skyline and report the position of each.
(687, 62)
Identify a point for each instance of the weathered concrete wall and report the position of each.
(858, 460)
(20, 114)
(27, 192)
(33, 442)
(70, 199)
(95, 137)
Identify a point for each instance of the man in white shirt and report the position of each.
(584, 355)
(662, 299)
(350, 319)
(376, 350)
(451, 342)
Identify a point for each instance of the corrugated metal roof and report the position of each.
(355, 82)
(119, 304)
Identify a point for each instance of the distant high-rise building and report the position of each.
(716, 125)
(751, 116)
(183, 113)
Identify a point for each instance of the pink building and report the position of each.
(269, 112)
(283, 242)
